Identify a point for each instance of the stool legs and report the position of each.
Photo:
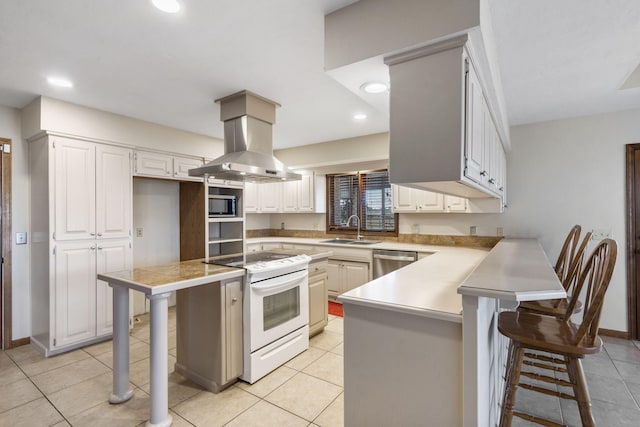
(514, 365)
(581, 392)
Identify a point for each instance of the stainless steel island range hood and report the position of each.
(248, 142)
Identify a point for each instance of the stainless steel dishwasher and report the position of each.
(386, 261)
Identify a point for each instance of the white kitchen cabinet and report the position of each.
(269, 196)
(211, 356)
(455, 204)
(250, 197)
(81, 227)
(343, 275)
(305, 195)
(92, 190)
(110, 256)
(166, 166)
(411, 200)
(448, 146)
(318, 297)
(75, 293)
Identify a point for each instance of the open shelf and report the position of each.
(224, 241)
(226, 219)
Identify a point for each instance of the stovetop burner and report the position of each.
(248, 259)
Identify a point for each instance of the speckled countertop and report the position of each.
(173, 276)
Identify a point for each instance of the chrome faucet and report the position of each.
(358, 236)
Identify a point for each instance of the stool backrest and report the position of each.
(567, 253)
(596, 275)
(576, 266)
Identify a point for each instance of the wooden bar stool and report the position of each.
(569, 341)
(568, 271)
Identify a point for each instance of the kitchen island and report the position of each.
(424, 339)
(157, 283)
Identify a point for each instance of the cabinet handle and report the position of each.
(99, 234)
(93, 248)
(92, 234)
(234, 299)
(483, 173)
(501, 189)
(168, 173)
(99, 248)
(492, 181)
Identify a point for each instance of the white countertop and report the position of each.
(516, 270)
(320, 242)
(427, 287)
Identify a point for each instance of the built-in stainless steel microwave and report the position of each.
(222, 205)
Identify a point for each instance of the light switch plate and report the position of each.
(21, 238)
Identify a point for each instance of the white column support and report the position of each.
(121, 391)
(159, 348)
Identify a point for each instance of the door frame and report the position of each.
(633, 293)
(7, 309)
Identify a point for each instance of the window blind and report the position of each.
(367, 195)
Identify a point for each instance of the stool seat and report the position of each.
(545, 333)
(552, 307)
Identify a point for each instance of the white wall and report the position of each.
(156, 210)
(10, 127)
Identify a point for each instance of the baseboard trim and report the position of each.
(20, 342)
(613, 333)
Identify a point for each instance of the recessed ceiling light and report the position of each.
(169, 6)
(374, 87)
(359, 116)
(59, 82)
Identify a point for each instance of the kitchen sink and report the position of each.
(350, 241)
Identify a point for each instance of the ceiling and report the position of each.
(556, 60)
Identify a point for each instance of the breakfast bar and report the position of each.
(424, 338)
(156, 283)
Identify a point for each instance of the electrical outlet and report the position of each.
(21, 238)
(499, 232)
(282, 226)
(416, 228)
(138, 232)
(600, 233)
(473, 230)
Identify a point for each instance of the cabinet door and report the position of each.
(428, 201)
(306, 193)
(334, 278)
(455, 204)
(355, 274)
(153, 164)
(403, 199)
(474, 137)
(113, 192)
(489, 156)
(318, 309)
(75, 191)
(250, 196)
(290, 193)
(111, 257)
(270, 197)
(181, 166)
(75, 293)
(233, 331)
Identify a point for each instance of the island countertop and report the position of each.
(172, 276)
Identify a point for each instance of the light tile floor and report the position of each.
(72, 389)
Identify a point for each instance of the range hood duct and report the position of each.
(248, 142)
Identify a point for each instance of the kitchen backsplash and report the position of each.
(422, 239)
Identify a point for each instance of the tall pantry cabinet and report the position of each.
(81, 221)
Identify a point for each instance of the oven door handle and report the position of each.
(279, 285)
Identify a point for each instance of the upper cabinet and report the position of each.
(443, 135)
(306, 195)
(412, 200)
(92, 196)
(159, 165)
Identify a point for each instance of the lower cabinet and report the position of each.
(345, 275)
(209, 333)
(83, 305)
(318, 297)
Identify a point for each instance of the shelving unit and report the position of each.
(204, 237)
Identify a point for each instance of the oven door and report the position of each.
(278, 306)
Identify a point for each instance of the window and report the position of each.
(367, 195)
